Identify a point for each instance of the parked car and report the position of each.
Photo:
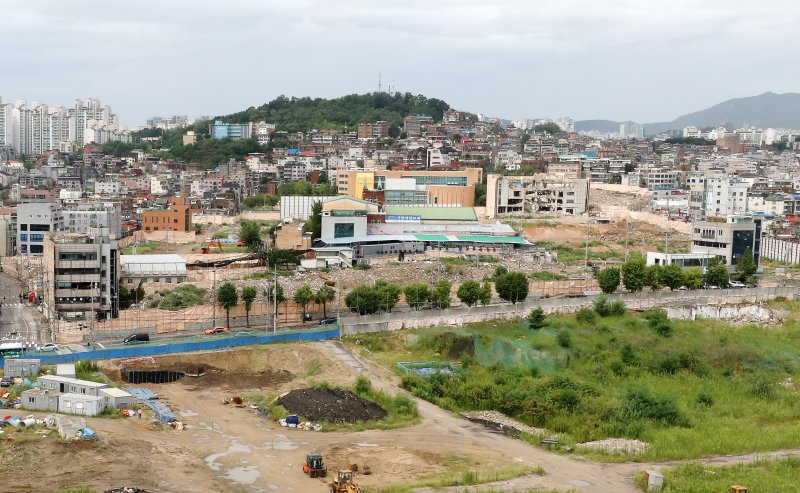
(219, 329)
(328, 321)
(50, 346)
(138, 337)
(736, 284)
(6, 382)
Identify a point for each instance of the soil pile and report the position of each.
(332, 405)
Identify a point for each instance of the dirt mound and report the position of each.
(333, 405)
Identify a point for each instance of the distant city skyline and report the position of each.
(624, 61)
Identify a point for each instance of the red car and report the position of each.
(216, 330)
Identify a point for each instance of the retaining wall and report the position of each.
(634, 301)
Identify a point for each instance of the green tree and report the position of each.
(416, 295)
(486, 293)
(303, 296)
(469, 292)
(536, 320)
(440, 294)
(550, 128)
(277, 256)
(388, 295)
(745, 266)
(363, 300)
(717, 273)
(314, 223)
(276, 296)
(228, 298)
(608, 279)
(652, 277)
(512, 287)
(633, 274)
(324, 295)
(250, 233)
(693, 278)
(248, 296)
(672, 276)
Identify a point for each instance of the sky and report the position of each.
(645, 60)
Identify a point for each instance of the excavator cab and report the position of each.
(314, 465)
(343, 483)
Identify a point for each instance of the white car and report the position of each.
(50, 346)
(736, 284)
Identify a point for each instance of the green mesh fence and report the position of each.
(509, 353)
(426, 368)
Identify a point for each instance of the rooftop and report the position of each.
(433, 213)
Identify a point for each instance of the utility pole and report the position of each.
(586, 249)
(627, 230)
(275, 299)
(91, 325)
(214, 297)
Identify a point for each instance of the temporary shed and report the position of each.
(168, 268)
(19, 367)
(66, 370)
(39, 400)
(116, 398)
(86, 405)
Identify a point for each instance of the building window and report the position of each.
(23, 237)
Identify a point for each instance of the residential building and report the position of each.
(727, 240)
(290, 236)
(539, 193)
(450, 188)
(34, 222)
(81, 277)
(233, 131)
(83, 217)
(177, 217)
(377, 130)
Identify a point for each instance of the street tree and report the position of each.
(693, 278)
(512, 287)
(608, 279)
(745, 266)
(652, 277)
(633, 274)
(363, 300)
(276, 296)
(440, 294)
(324, 295)
(228, 298)
(303, 296)
(672, 276)
(536, 320)
(486, 293)
(248, 296)
(388, 295)
(717, 273)
(416, 295)
(469, 292)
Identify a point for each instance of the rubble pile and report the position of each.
(616, 446)
(500, 422)
(330, 404)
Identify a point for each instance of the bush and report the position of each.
(405, 406)
(617, 308)
(601, 305)
(705, 399)
(564, 339)
(658, 321)
(641, 404)
(761, 386)
(586, 316)
(363, 385)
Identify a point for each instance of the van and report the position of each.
(138, 337)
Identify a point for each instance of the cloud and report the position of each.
(641, 60)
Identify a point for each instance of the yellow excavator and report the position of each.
(344, 482)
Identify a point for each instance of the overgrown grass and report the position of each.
(142, 248)
(181, 297)
(761, 476)
(703, 388)
(544, 275)
(568, 253)
(460, 472)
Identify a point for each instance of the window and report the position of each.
(30, 400)
(23, 237)
(83, 391)
(23, 227)
(343, 230)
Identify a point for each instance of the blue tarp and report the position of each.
(87, 433)
(142, 394)
(163, 413)
(292, 419)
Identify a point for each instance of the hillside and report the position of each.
(766, 110)
(303, 114)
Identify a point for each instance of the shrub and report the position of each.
(705, 399)
(363, 385)
(761, 386)
(586, 316)
(536, 320)
(601, 305)
(641, 404)
(564, 339)
(404, 406)
(658, 321)
(617, 308)
(628, 355)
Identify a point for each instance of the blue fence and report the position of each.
(165, 347)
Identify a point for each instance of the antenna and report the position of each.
(379, 82)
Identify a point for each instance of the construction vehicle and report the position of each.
(314, 466)
(737, 489)
(209, 245)
(344, 483)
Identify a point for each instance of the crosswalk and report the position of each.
(12, 305)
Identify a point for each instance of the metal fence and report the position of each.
(170, 347)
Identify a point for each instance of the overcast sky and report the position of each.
(645, 60)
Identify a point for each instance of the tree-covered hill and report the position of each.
(302, 114)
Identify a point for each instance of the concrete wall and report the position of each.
(638, 301)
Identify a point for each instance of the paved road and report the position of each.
(16, 316)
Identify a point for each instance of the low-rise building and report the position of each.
(177, 217)
(534, 194)
(34, 222)
(727, 240)
(167, 268)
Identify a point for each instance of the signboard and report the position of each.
(403, 218)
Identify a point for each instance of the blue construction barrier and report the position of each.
(157, 348)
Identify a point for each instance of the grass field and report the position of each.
(760, 477)
(690, 389)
